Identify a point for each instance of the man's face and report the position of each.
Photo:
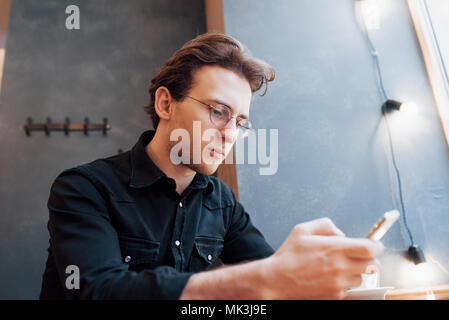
(212, 85)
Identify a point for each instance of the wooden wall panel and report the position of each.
(215, 23)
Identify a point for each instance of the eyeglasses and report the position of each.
(220, 115)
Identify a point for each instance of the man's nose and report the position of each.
(230, 131)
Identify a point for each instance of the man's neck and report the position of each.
(157, 151)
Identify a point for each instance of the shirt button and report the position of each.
(127, 259)
(180, 204)
(177, 243)
(209, 257)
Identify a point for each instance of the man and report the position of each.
(145, 225)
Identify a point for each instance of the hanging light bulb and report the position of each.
(415, 254)
(416, 275)
(391, 104)
(405, 118)
(408, 107)
(371, 12)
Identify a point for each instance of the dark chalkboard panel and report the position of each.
(101, 70)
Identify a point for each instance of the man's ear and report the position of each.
(163, 103)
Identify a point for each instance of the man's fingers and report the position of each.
(355, 248)
(359, 266)
(322, 227)
(363, 249)
(354, 281)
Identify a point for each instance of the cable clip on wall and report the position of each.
(67, 126)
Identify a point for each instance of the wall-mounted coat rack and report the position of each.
(67, 127)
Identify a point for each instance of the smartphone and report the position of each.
(383, 225)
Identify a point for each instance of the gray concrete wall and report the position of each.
(326, 105)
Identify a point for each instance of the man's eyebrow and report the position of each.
(221, 102)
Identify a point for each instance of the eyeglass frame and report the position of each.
(245, 128)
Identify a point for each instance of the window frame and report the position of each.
(433, 61)
(5, 6)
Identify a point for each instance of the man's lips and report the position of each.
(217, 152)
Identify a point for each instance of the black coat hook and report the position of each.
(47, 127)
(105, 126)
(28, 126)
(86, 126)
(67, 126)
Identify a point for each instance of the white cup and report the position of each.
(369, 281)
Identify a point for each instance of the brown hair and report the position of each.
(207, 49)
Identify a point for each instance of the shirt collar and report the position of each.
(144, 172)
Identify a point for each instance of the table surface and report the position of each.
(439, 292)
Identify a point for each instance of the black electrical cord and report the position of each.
(375, 55)
(373, 50)
(398, 175)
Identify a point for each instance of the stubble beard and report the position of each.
(202, 168)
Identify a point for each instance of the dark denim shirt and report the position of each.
(132, 236)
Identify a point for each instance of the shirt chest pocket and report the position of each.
(139, 254)
(205, 253)
(214, 218)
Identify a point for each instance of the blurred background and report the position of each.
(334, 155)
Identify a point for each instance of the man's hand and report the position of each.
(317, 261)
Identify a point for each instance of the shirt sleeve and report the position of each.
(243, 241)
(82, 234)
